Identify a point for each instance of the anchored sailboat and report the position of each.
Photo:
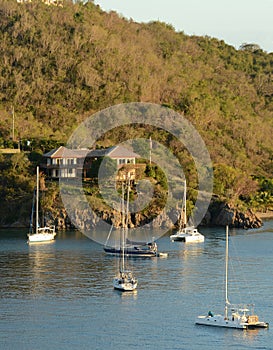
(235, 316)
(125, 280)
(187, 233)
(131, 248)
(40, 234)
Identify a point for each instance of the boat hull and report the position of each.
(125, 283)
(187, 234)
(187, 238)
(41, 237)
(220, 321)
(132, 252)
(44, 234)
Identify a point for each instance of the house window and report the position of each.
(71, 172)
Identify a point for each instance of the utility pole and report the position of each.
(151, 145)
(13, 122)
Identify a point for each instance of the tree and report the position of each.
(249, 47)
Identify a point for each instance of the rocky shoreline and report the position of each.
(226, 214)
(218, 214)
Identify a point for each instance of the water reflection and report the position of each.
(190, 251)
(69, 270)
(125, 296)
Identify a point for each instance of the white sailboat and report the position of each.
(125, 280)
(187, 233)
(41, 234)
(235, 316)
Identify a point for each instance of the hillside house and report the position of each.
(62, 162)
(68, 163)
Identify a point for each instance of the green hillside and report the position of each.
(62, 64)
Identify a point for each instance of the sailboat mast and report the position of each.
(37, 199)
(123, 229)
(127, 203)
(185, 203)
(226, 282)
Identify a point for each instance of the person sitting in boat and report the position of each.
(152, 246)
(210, 314)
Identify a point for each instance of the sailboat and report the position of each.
(125, 280)
(235, 316)
(40, 234)
(132, 248)
(187, 233)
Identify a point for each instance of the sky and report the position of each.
(234, 21)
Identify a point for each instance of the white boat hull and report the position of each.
(44, 234)
(220, 321)
(124, 286)
(41, 237)
(187, 238)
(242, 322)
(125, 282)
(187, 235)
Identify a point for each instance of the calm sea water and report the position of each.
(60, 295)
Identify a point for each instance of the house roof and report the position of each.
(113, 152)
(121, 152)
(63, 152)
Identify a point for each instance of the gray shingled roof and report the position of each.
(121, 152)
(63, 152)
(113, 152)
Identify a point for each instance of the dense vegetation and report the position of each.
(61, 64)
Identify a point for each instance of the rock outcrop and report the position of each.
(225, 214)
(86, 221)
(219, 214)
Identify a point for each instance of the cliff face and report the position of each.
(225, 214)
(86, 222)
(222, 215)
(219, 214)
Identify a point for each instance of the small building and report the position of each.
(63, 162)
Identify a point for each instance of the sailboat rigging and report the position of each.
(187, 233)
(131, 248)
(40, 234)
(235, 316)
(125, 280)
